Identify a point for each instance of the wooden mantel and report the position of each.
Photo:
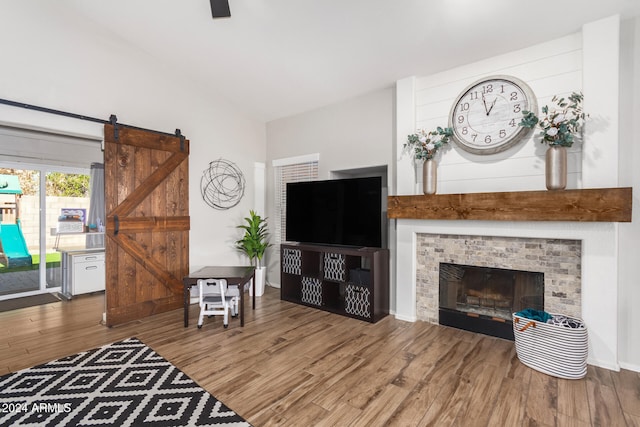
(596, 204)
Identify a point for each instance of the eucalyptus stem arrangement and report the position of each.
(559, 123)
(423, 145)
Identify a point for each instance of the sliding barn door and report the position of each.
(147, 227)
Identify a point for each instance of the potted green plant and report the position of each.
(424, 145)
(254, 243)
(558, 126)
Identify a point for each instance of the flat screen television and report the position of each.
(345, 212)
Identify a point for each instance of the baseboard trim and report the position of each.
(603, 364)
(630, 366)
(406, 318)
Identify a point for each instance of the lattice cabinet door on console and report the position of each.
(353, 282)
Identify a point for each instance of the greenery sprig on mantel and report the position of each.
(424, 145)
(558, 124)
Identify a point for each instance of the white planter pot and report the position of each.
(260, 281)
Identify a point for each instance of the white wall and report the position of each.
(56, 61)
(588, 61)
(356, 133)
(629, 155)
(353, 134)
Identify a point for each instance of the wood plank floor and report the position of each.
(296, 366)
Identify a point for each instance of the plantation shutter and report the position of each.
(292, 169)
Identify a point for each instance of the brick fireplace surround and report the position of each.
(558, 259)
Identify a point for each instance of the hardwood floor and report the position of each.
(296, 366)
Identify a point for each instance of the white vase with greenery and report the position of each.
(254, 243)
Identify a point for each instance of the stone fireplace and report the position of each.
(558, 261)
(597, 304)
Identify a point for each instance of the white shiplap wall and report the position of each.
(549, 69)
(594, 67)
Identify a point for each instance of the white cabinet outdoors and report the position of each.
(87, 272)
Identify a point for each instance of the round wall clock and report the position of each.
(485, 116)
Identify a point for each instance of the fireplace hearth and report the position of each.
(482, 299)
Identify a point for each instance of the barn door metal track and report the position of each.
(112, 120)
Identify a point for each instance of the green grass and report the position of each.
(52, 259)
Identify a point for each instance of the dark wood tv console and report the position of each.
(353, 282)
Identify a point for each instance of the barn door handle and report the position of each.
(116, 222)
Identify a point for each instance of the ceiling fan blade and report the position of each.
(220, 8)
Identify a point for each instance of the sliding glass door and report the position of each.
(66, 206)
(43, 213)
(19, 231)
(44, 192)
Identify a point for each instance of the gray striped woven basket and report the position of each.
(552, 349)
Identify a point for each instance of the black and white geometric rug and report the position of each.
(121, 384)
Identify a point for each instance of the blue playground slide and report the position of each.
(14, 245)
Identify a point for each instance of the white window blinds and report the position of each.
(294, 169)
(39, 147)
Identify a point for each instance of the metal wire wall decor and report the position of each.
(222, 184)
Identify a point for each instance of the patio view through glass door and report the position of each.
(19, 231)
(66, 209)
(32, 203)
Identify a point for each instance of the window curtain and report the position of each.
(97, 210)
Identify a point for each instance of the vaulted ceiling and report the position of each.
(276, 58)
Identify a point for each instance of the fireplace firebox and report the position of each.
(482, 299)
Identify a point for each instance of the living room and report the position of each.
(62, 59)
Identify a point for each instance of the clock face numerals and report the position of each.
(486, 115)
